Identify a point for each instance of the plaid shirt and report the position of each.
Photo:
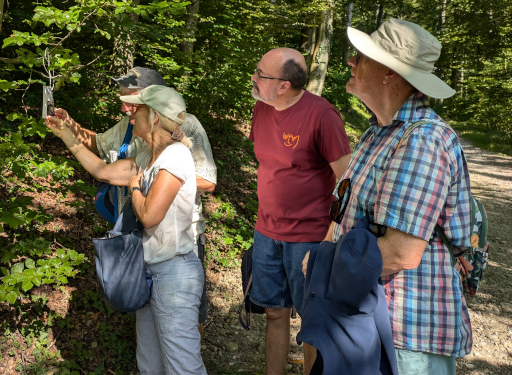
(411, 188)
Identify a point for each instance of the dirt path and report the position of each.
(491, 308)
(228, 348)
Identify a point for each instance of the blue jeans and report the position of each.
(168, 340)
(277, 278)
(421, 363)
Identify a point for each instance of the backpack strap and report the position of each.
(439, 230)
(126, 141)
(447, 243)
(122, 155)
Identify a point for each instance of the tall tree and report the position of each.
(187, 46)
(346, 44)
(124, 45)
(1, 13)
(320, 57)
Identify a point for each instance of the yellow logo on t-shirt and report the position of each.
(291, 140)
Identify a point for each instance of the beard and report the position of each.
(255, 93)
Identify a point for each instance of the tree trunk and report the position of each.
(124, 47)
(454, 78)
(1, 13)
(308, 42)
(380, 13)
(187, 46)
(321, 55)
(346, 43)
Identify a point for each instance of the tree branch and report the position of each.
(76, 27)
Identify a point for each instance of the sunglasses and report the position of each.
(339, 206)
(358, 57)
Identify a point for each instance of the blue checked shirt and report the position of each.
(411, 188)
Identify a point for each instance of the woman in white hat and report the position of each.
(162, 185)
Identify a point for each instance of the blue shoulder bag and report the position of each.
(119, 258)
(103, 202)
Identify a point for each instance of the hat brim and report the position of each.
(427, 83)
(129, 82)
(132, 99)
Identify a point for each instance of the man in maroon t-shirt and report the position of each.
(301, 145)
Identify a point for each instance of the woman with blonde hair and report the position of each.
(162, 185)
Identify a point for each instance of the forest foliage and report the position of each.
(207, 50)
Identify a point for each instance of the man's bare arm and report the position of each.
(85, 136)
(204, 185)
(400, 251)
(339, 166)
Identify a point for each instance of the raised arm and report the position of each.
(118, 173)
(85, 136)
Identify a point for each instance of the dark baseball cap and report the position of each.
(139, 78)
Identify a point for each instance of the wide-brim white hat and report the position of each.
(163, 99)
(409, 50)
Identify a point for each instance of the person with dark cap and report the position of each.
(409, 183)
(106, 145)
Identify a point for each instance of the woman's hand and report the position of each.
(63, 115)
(135, 180)
(58, 127)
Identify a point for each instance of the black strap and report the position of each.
(445, 240)
(248, 314)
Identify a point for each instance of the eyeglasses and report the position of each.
(260, 77)
(137, 106)
(339, 206)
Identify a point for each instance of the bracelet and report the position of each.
(134, 189)
(79, 150)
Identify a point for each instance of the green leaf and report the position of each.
(17, 269)
(11, 297)
(73, 254)
(27, 285)
(29, 263)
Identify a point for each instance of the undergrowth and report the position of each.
(484, 137)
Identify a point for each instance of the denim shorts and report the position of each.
(168, 340)
(421, 363)
(277, 278)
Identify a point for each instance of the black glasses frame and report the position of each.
(339, 206)
(260, 77)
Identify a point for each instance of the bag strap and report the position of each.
(248, 315)
(122, 155)
(126, 141)
(447, 243)
(439, 230)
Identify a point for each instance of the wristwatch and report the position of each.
(133, 189)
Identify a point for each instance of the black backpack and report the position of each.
(250, 308)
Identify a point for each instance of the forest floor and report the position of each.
(71, 332)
